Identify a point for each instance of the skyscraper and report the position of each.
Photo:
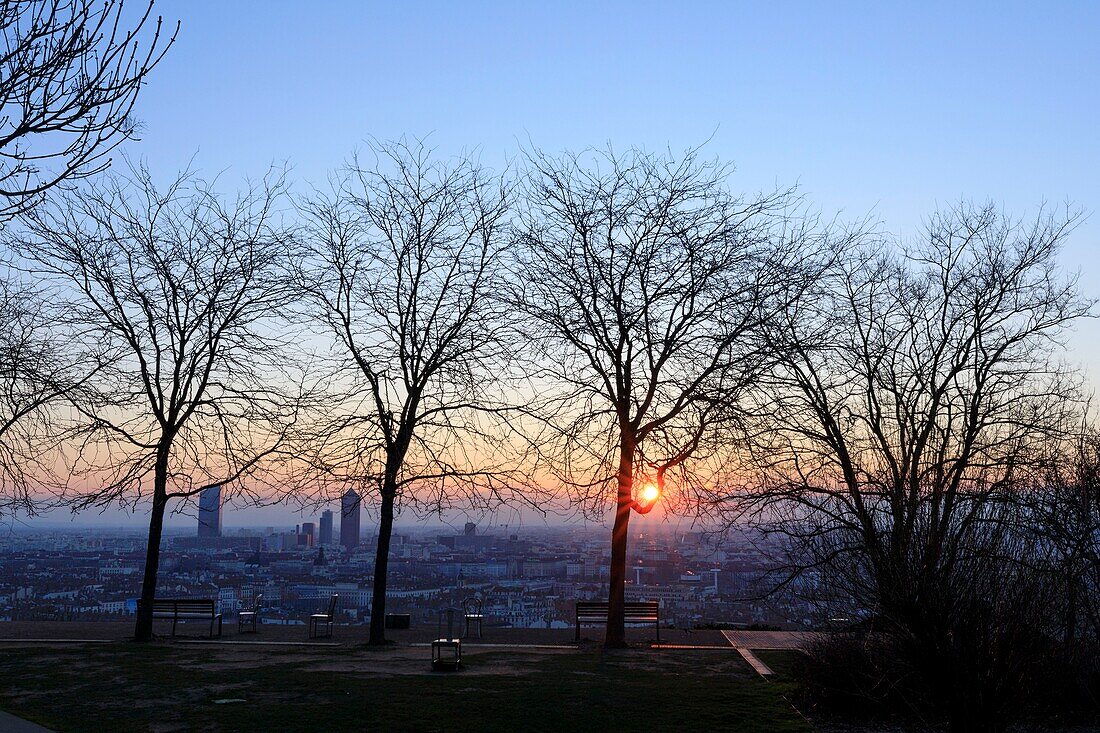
(326, 527)
(349, 519)
(306, 537)
(210, 512)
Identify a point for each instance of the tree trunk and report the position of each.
(616, 597)
(143, 629)
(381, 564)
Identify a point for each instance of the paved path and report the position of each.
(57, 641)
(226, 642)
(745, 641)
(11, 724)
(480, 645)
(770, 639)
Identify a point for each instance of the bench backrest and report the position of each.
(631, 609)
(183, 605)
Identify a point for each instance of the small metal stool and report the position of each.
(446, 651)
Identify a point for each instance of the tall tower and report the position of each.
(326, 527)
(307, 537)
(349, 519)
(210, 512)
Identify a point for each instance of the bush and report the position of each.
(881, 679)
(856, 678)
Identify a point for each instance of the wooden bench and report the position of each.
(187, 609)
(634, 612)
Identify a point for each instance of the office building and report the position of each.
(210, 512)
(307, 535)
(349, 519)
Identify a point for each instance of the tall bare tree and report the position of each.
(70, 73)
(402, 265)
(643, 280)
(179, 290)
(917, 389)
(36, 371)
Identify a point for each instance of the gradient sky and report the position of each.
(878, 108)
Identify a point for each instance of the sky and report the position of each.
(882, 109)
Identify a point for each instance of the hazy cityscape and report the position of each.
(527, 577)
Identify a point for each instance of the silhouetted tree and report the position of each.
(70, 73)
(179, 290)
(69, 76)
(643, 281)
(35, 371)
(402, 265)
(915, 394)
(1063, 515)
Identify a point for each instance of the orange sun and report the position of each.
(650, 492)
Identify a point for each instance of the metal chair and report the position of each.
(250, 618)
(446, 651)
(323, 619)
(471, 612)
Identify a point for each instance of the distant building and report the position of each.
(470, 540)
(215, 543)
(326, 527)
(307, 537)
(210, 512)
(470, 530)
(349, 519)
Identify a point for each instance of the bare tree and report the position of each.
(69, 76)
(916, 391)
(70, 73)
(402, 265)
(35, 372)
(643, 280)
(178, 289)
(1064, 512)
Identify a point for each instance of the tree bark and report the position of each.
(143, 629)
(616, 597)
(381, 565)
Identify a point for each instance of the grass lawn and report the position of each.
(172, 687)
(780, 660)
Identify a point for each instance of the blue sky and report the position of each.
(868, 106)
(882, 108)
